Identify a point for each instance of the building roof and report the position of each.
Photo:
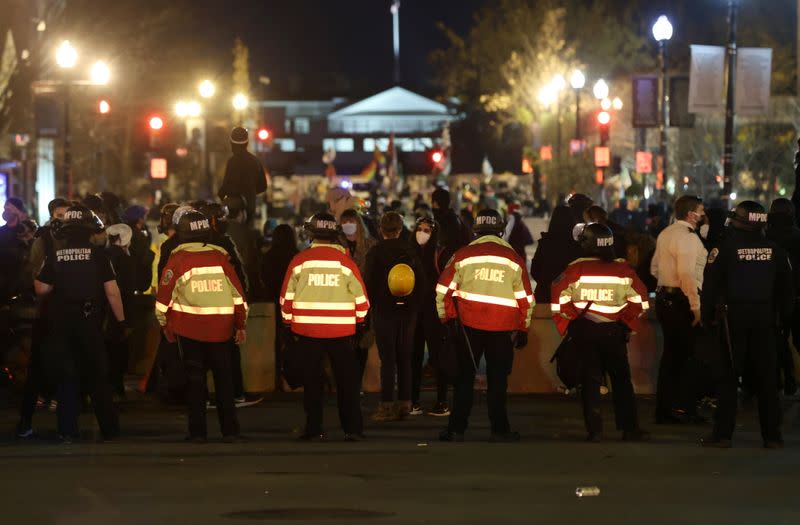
(395, 101)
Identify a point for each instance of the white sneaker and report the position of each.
(416, 410)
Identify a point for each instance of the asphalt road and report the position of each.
(401, 474)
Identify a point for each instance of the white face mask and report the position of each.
(349, 228)
(423, 238)
(704, 231)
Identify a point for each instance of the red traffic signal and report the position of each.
(604, 118)
(604, 124)
(156, 123)
(103, 107)
(263, 134)
(437, 156)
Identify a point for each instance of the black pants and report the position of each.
(76, 358)
(199, 357)
(785, 361)
(499, 352)
(603, 348)
(752, 337)
(343, 361)
(395, 337)
(36, 381)
(429, 331)
(117, 348)
(236, 370)
(676, 318)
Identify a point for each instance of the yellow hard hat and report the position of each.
(401, 280)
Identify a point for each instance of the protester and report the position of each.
(394, 314)
(117, 341)
(517, 233)
(429, 331)
(555, 250)
(12, 248)
(244, 174)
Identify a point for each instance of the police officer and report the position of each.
(201, 305)
(79, 278)
(748, 290)
(599, 300)
(323, 301)
(484, 295)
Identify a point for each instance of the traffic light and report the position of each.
(438, 160)
(156, 123)
(604, 126)
(263, 134)
(437, 157)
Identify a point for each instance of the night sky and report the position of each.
(324, 48)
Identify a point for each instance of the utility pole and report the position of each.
(395, 9)
(730, 108)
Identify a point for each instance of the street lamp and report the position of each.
(240, 102)
(662, 32)
(600, 89)
(100, 74)
(188, 109)
(617, 103)
(577, 80)
(206, 89)
(730, 108)
(66, 55)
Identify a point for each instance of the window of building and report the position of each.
(345, 145)
(302, 126)
(286, 144)
(287, 126)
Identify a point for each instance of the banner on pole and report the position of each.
(706, 79)
(753, 80)
(602, 157)
(645, 101)
(644, 162)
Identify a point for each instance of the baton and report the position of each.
(464, 333)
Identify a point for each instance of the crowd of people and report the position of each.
(432, 282)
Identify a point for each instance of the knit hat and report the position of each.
(134, 213)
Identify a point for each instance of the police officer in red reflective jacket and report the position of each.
(748, 290)
(599, 300)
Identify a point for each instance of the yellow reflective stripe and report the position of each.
(488, 259)
(201, 270)
(286, 316)
(522, 294)
(361, 299)
(604, 279)
(555, 308)
(203, 310)
(645, 305)
(316, 319)
(239, 300)
(289, 296)
(304, 305)
(347, 271)
(361, 314)
(564, 299)
(530, 299)
(603, 309)
(442, 289)
(488, 299)
(161, 307)
(635, 299)
(453, 285)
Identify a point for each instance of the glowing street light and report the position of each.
(104, 107)
(66, 55)
(185, 109)
(206, 89)
(100, 74)
(559, 82)
(616, 103)
(577, 80)
(156, 123)
(548, 95)
(240, 102)
(662, 29)
(605, 104)
(600, 89)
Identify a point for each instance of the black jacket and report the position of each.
(787, 236)
(380, 259)
(550, 260)
(453, 234)
(244, 176)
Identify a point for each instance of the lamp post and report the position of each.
(577, 80)
(662, 32)
(207, 90)
(558, 83)
(730, 108)
(66, 58)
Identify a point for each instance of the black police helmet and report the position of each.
(78, 219)
(217, 213)
(194, 227)
(323, 226)
(239, 135)
(597, 240)
(489, 222)
(748, 216)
